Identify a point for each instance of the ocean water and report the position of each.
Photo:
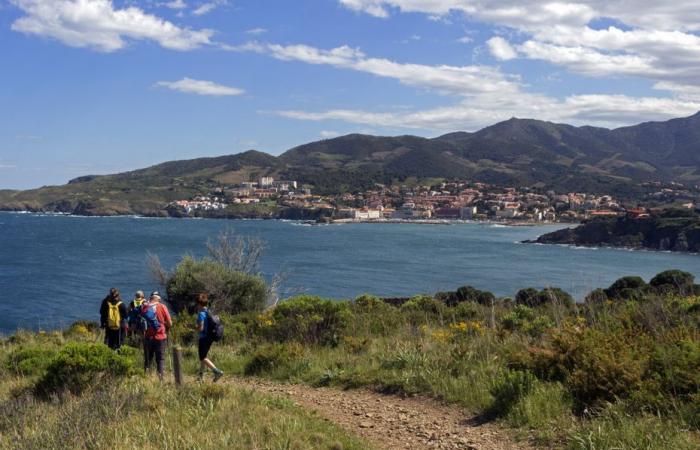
(56, 269)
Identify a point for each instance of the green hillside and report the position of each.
(517, 152)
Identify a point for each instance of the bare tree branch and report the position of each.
(158, 273)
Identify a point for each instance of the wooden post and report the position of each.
(177, 365)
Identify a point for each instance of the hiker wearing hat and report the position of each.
(158, 323)
(113, 319)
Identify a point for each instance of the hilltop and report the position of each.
(516, 152)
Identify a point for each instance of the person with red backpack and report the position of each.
(158, 323)
(210, 331)
(113, 319)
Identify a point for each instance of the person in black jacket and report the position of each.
(113, 314)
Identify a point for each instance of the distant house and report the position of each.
(637, 213)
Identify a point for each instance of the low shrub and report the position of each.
(466, 294)
(283, 360)
(78, 365)
(507, 389)
(307, 319)
(29, 359)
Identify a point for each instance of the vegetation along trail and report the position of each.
(391, 421)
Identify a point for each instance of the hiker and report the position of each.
(158, 323)
(206, 337)
(137, 324)
(113, 319)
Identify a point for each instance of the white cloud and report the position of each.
(256, 31)
(98, 25)
(328, 134)
(465, 40)
(501, 49)
(176, 4)
(459, 80)
(487, 95)
(200, 87)
(8, 166)
(654, 40)
(206, 8)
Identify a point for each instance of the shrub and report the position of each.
(229, 291)
(78, 365)
(424, 304)
(280, 358)
(507, 389)
(673, 282)
(28, 360)
(82, 328)
(532, 297)
(597, 366)
(627, 288)
(466, 294)
(307, 319)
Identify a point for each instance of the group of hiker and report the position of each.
(146, 323)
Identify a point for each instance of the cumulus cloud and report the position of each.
(200, 87)
(501, 49)
(654, 40)
(96, 24)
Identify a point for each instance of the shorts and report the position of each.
(203, 347)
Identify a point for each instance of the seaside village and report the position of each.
(458, 200)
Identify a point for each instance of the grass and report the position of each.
(140, 412)
(619, 374)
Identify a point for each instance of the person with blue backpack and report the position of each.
(137, 324)
(158, 322)
(210, 331)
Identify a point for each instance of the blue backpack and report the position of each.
(135, 318)
(148, 312)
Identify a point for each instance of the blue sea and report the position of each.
(56, 269)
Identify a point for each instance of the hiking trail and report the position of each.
(392, 422)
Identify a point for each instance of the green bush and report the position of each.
(78, 365)
(627, 288)
(597, 366)
(282, 359)
(674, 282)
(373, 316)
(30, 359)
(307, 319)
(466, 294)
(532, 297)
(424, 304)
(229, 291)
(507, 389)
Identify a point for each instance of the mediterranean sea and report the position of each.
(56, 269)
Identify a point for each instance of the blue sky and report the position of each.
(99, 86)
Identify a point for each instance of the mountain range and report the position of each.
(516, 152)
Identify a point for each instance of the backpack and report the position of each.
(148, 312)
(135, 318)
(114, 317)
(215, 329)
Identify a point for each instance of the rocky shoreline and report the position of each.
(672, 230)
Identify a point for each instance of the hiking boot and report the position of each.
(218, 374)
(200, 378)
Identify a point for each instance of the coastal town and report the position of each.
(453, 200)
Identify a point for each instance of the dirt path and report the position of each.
(391, 422)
